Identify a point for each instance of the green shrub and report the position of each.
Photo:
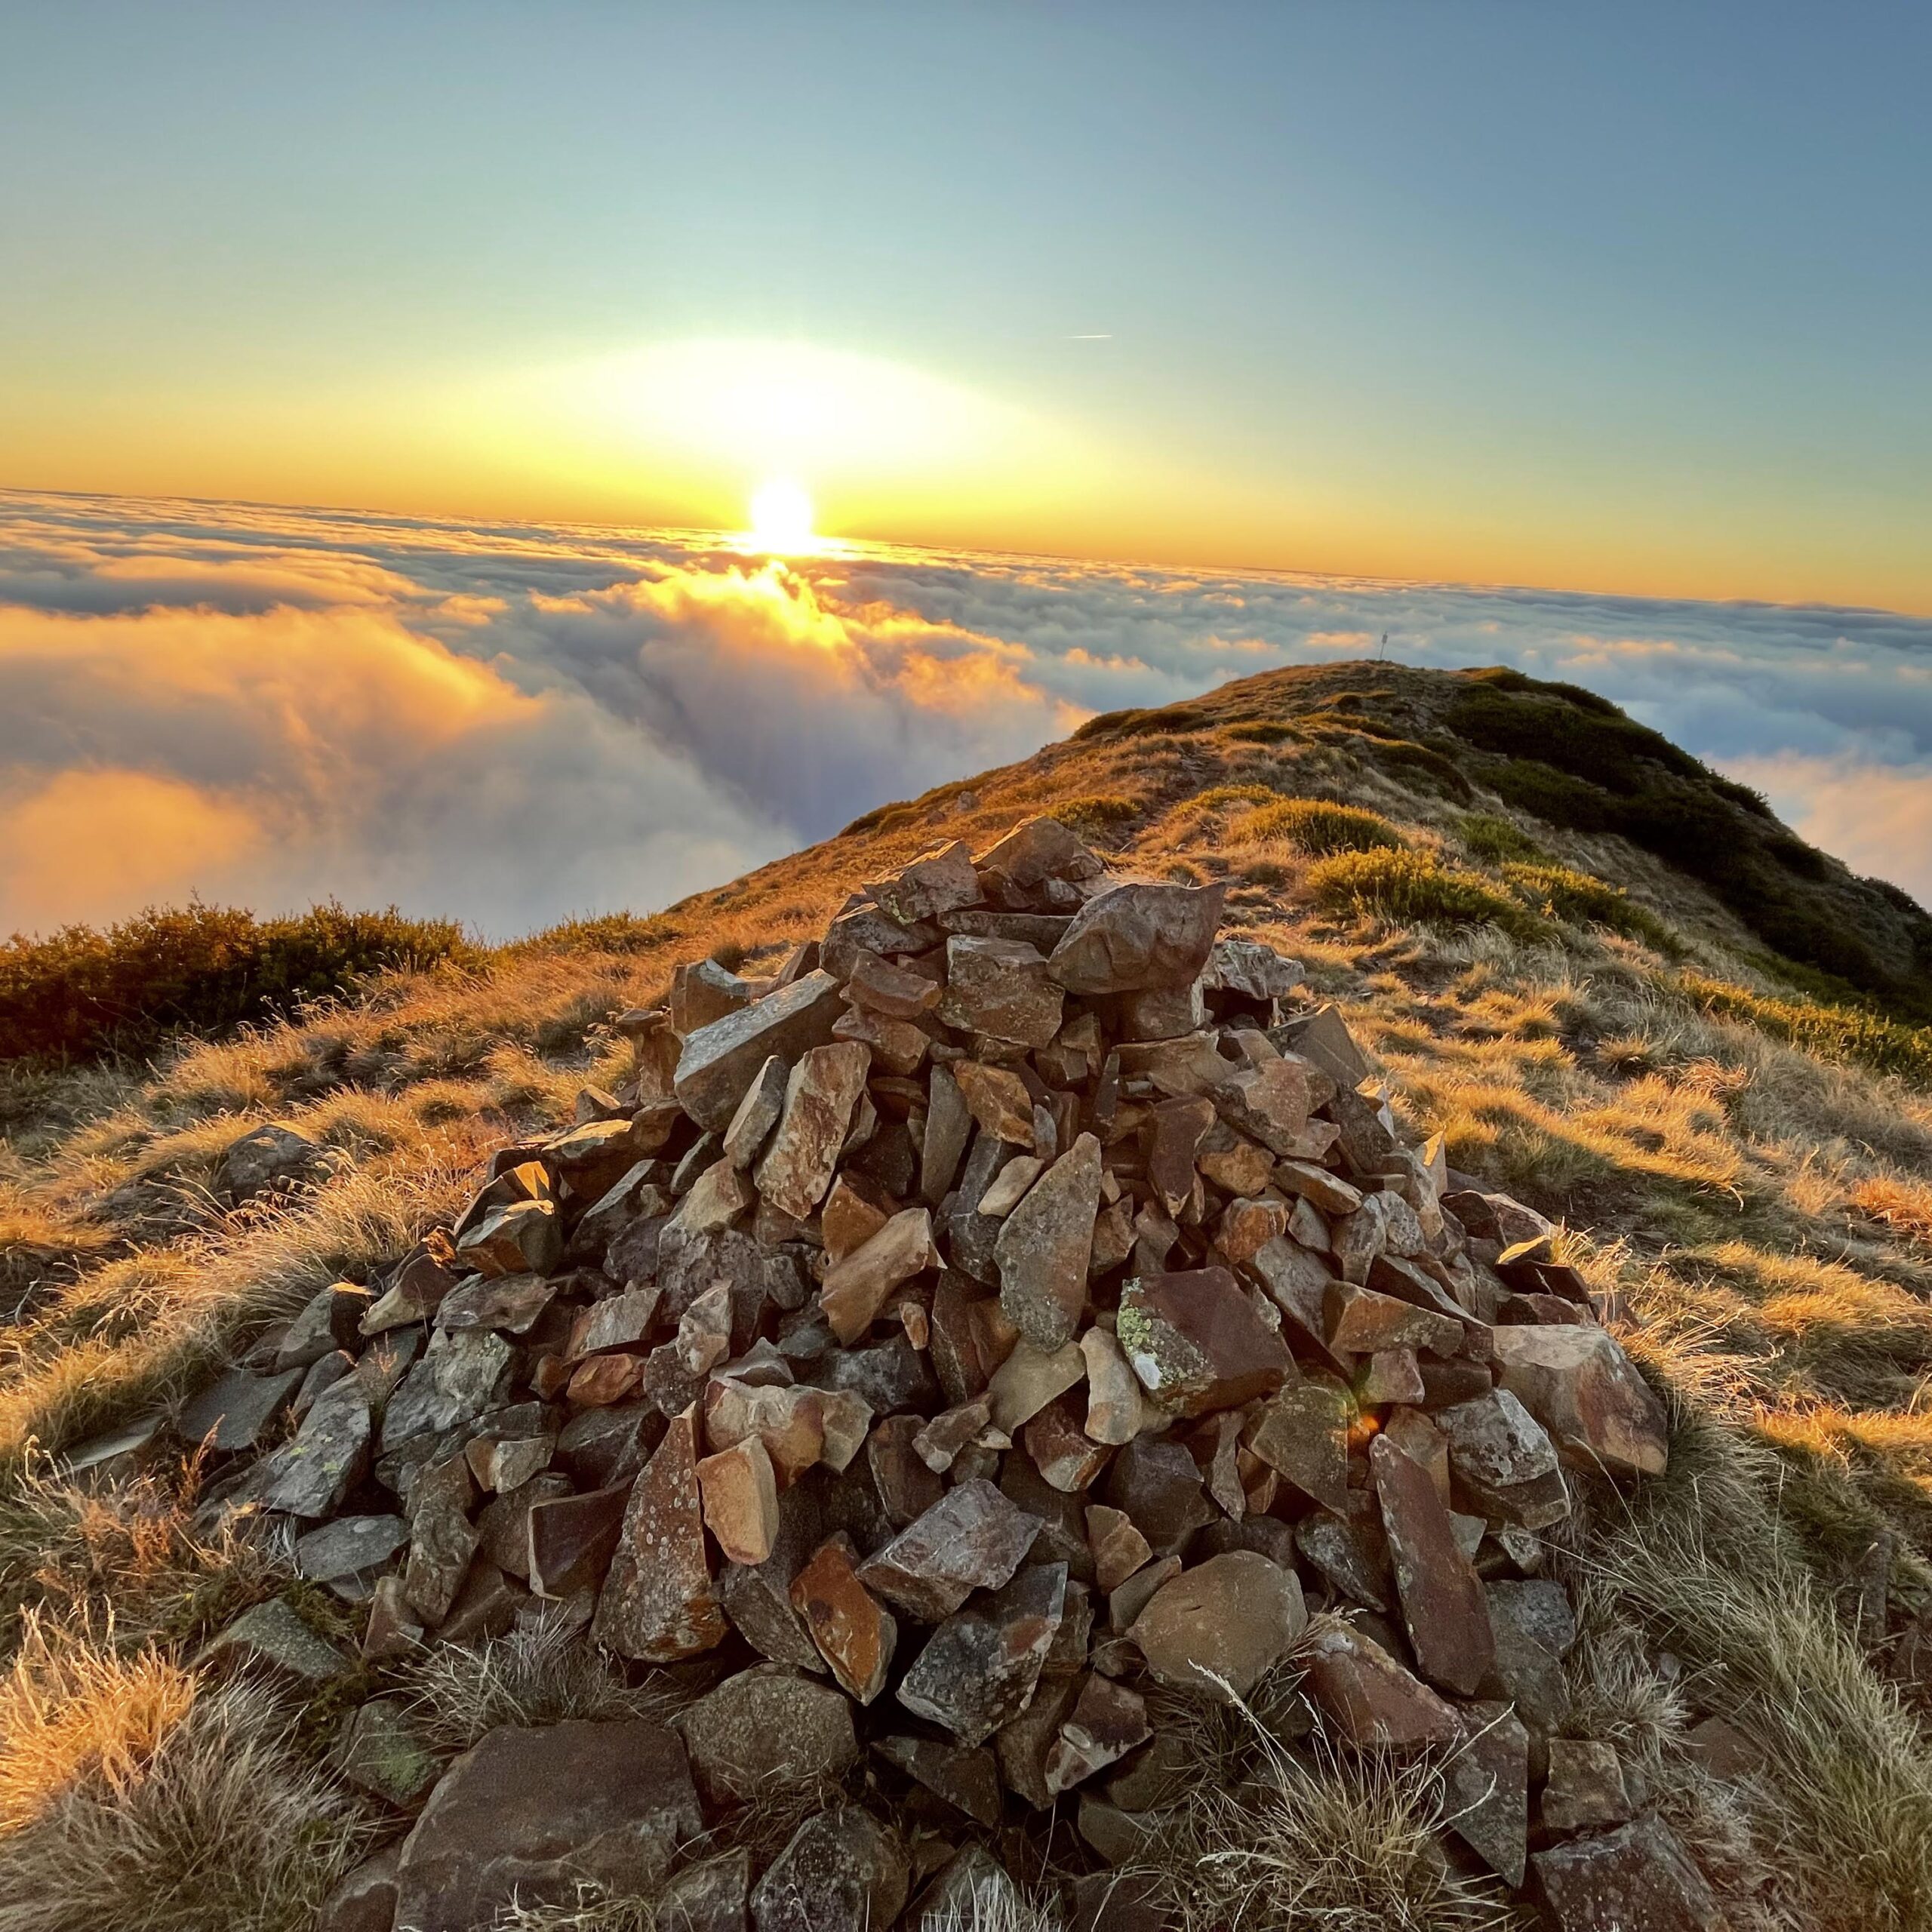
(1580, 899)
(1493, 839)
(1098, 813)
(82, 992)
(1836, 1032)
(1314, 826)
(1413, 887)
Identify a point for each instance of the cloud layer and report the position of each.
(512, 723)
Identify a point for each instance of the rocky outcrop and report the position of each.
(942, 1346)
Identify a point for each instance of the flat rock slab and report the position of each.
(657, 1604)
(1639, 1877)
(1044, 1244)
(974, 1538)
(235, 1413)
(1197, 1344)
(1581, 1386)
(533, 1815)
(1443, 1604)
(719, 1062)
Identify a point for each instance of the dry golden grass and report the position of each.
(1751, 1187)
(136, 1798)
(539, 1675)
(1315, 1836)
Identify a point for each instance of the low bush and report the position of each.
(1487, 836)
(1315, 827)
(1414, 887)
(1578, 899)
(82, 992)
(1098, 813)
(1837, 1032)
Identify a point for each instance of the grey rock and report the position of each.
(841, 1871)
(972, 1538)
(720, 1062)
(462, 1373)
(1138, 936)
(236, 1412)
(536, 1814)
(979, 1668)
(768, 1729)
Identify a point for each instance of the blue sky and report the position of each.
(1628, 297)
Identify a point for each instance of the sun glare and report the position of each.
(781, 516)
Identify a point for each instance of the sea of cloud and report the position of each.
(515, 723)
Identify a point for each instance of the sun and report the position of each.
(781, 516)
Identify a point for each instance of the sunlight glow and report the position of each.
(782, 517)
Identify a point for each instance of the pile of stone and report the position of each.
(1015, 1303)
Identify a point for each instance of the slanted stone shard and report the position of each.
(972, 1539)
(979, 1669)
(720, 1060)
(942, 881)
(1581, 1386)
(1044, 1244)
(820, 1096)
(1443, 1604)
(855, 1288)
(854, 1633)
(658, 1604)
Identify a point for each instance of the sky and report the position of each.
(1630, 299)
(512, 722)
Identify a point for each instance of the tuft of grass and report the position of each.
(1837, 1032)
(1413, 887)
(1349, 1842)
(539, 1675)
(1319, 828)
(136, 1798)
(81, 992)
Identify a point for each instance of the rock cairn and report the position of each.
(1016, 1301)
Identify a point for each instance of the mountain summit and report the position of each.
(1342, 1267)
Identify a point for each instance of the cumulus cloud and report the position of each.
(513, 723)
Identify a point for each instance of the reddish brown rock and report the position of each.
(967, 1780)
(979, 1669)
(1062, 1451)
(855, 1288)
(1302, 1433)
(1581, 1386)
(841, 1871)
(940, 881)
(880, 987)
(739, 1490)
(972, 1538)
(1107, 1721)
(907, 1486)
(1361, 1321)
(1138, 936)
(1639, 1876)
(1371, 1700)
(1119, 1548)
(1157, 1484)
(1176, 1131)
(571, 1540)
(854, 1635)
(999, 988)
(604, 1381)
(1441, 1596)
(997, 1099)
(1197, 1344)
(1488, 1783)
(821, 1095)
(768, 1729)
(720, 1061)
(536, 1814)
(657, 1604)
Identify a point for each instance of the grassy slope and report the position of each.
(1725, 1149)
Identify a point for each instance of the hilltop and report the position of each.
(1621, 991)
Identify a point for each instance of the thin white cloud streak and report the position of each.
(514, 723)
